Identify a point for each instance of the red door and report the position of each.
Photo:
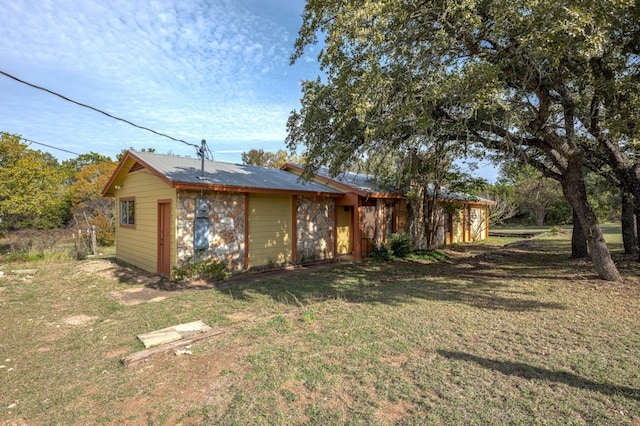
(164, 238)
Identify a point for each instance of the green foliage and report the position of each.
(87, 200)
(105, 230)
(538, 199)
(604, 197)
(381, 252)
(397, 247)
(36, 192)
(553, 83)
(260, 157)
(33, 193)
(207, 269)
(400, 244)
(74, 165)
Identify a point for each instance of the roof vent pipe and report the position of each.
(201, 154)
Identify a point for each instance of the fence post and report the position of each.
(94, 242)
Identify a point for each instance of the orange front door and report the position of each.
(164, 238)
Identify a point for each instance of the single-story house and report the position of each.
(171, 210)
(384, 211)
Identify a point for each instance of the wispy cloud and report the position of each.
(215, 70)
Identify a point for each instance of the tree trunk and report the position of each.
(539, 214)
(576, 194)
(418, 227)
(637, 210)
(579, 248)
(629, 228)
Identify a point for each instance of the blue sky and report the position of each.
(193, 69)
(217, 70)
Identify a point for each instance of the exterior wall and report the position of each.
(368, 228)
(471, 224)
(379, 222)
(374, 221)
(468, 222)
(458, 230)
(270, 229)
(226, 228)
(479, 223)
(402, 220)
(315, 228)
(138, 244)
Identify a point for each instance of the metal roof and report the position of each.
(366, 183)
(459, 196)
(360, 181)
(186, 170)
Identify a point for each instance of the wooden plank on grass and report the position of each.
(148, 353)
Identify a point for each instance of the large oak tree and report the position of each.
(541, 80)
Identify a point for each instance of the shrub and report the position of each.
(207, 269)
(400, 245)
(105, 232)
(381, 252)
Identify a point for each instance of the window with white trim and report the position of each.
(127, 211)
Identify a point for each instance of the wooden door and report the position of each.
(164, 238)
(344, 238)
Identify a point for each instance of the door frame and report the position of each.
(164, 238)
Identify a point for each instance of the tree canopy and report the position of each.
(274, 160)
(553, 83)
(32, 187)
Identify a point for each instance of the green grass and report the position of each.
(474, 334)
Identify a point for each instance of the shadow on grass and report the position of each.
(494, 279)
(527, 371)
(396, 283)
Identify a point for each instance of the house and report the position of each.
(171, 210)
(384, 211)
(366, 214)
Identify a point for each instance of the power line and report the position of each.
(49, 146)
(94, 109)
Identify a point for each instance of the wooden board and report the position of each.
(158, 350)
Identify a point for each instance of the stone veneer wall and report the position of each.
(226, 227)
(316, 223)
(403, 217)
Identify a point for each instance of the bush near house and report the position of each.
(397, 247)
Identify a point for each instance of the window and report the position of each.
(127, 211)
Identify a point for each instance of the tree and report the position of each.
(87, 201)
(33, 193)
(535, 80)
(534, 194)
(260, 157)
(505, 207)
(628, 223)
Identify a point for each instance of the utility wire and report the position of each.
(94, 109)
(49, 146)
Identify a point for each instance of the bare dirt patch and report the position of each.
(112, 270)
(135, 296)
(79, 319)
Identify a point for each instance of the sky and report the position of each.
(192, 69)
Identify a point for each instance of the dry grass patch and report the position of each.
(489, 334)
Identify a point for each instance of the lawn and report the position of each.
(482, 334)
